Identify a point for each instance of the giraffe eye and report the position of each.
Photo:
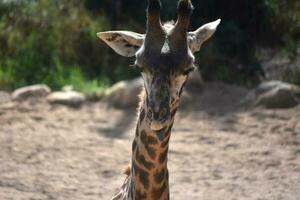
(187, 71)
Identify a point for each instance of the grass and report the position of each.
(57, 78)
(75, 77)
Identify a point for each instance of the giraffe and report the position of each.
(164, 56)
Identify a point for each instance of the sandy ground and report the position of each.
(218, 150)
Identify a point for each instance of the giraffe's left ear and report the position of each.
(198, 37)
(125, 43)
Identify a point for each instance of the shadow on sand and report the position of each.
(121, 126)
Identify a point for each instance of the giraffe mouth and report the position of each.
(157, 125)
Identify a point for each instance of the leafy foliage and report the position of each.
(41, 39)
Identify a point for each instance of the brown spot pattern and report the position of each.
(151, 140)
(133, 145)
(144, 177)
(157, 192)
(140, 195)
(151, 152)
(163, 156)
(141, 160)
(159, 176)
(142, 115)
(146, 141)
(144, 137)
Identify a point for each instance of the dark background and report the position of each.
(54, 41)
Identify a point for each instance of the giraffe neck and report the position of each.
(149, 159)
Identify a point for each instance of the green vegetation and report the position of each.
(54, 41)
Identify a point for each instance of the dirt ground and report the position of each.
(218, 150)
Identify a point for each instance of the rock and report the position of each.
(124, 93)
(31, 91)
(278, 65)
(69, 98)
(275, 94)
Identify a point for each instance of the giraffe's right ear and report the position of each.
(125, 43)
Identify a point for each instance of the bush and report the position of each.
(39, 39)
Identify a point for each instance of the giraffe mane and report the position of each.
(126, 170)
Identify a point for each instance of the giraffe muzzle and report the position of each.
(156, 125)
(159, 105)
(160, 119)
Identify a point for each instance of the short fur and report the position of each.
(164, 57)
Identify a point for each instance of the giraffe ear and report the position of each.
(198, 37)
(125, 43)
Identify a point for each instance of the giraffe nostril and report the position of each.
(163, 113)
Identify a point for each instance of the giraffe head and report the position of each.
(164, 55)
